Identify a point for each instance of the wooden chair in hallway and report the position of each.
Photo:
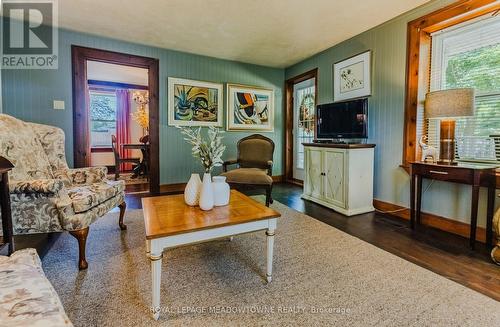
(118, 160)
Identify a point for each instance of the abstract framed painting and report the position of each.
(351, 77)
(249, 108)
(194, 103)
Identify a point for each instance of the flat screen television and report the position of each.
(342, 120)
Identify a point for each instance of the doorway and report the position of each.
(115, 101)
(301, 95)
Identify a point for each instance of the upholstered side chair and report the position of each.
(255, 165)
(47, 196)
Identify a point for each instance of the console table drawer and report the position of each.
(449, 174)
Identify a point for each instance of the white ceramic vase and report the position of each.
(206, 193)
(221, 191)
(192, 190)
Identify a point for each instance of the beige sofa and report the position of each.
(26, 296)
(46, 195)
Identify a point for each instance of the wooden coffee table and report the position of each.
(170, 222)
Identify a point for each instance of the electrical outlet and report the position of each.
(58, 105)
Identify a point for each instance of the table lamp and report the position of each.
(447, 105)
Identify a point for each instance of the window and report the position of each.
(305, 121)
(102, 118)
(468, 55)
(418, 66)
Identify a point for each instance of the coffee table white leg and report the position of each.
(156, 282)
(148, 248)
(270, 245)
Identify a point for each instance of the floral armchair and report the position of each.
(46, 195)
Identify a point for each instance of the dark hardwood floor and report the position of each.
(443, 253)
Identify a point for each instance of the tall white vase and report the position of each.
(221, 191)
(207, 193)
(192, 190)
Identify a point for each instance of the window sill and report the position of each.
(99, 150)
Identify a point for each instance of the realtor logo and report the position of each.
(29, 34)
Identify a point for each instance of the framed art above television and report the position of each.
(249, 108)
(351, 77)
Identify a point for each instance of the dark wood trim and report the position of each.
(278, 178)
(418, 52)
(173, 188)
(288, 148)
(99, 150)
(116, 85)
(429, 219)
(295, 181)
(80, 55)
(341, 145)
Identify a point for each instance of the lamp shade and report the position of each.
(451, 103)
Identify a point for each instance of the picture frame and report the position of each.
(194, 103)
(352, 77)
(249, 108)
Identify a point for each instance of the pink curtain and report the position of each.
(122, 124)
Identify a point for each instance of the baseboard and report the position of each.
(438, 222)
(179, 187)
(172, 188)
(297, 182)
(278, 179)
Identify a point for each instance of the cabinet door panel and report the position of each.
(334, 184)
(313, 180)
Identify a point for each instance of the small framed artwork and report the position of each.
(194, 103)
(249, 108)
(351, 77)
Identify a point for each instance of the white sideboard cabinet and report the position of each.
(339, 176)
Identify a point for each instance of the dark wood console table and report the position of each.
(7, 238)
(476, 175)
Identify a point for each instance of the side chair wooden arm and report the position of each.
(228, 163)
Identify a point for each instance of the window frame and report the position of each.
(438, 68)
(419, 60)
(304, 139)
(104, 148)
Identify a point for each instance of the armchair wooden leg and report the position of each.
(117, 172)
(269, 198)
(122, 207)
(81, 237)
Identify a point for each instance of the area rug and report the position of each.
(322, 276)
(129, 179)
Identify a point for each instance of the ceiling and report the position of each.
(276, 33)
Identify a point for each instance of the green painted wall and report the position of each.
(386, 113)
(28, 94)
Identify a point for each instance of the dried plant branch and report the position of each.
(209, 151)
